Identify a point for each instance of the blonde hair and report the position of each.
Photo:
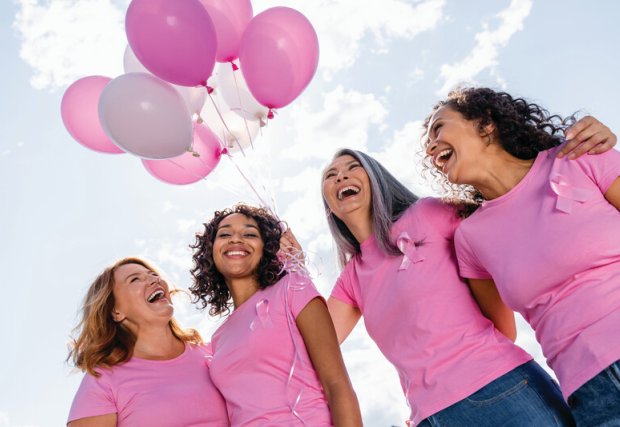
(98, 340)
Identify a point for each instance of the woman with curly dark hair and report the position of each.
(276, 358)
(545, 234)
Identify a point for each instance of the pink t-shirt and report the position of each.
(421, 313)
(552, 245)
(166, 393)
(254, 352)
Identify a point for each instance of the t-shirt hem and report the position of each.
(579, 380)
(91, 414)
(486, 380)
(344, 299)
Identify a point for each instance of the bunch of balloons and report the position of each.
(158, 110)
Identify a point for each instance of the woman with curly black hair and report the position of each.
(276, 358)
(545, 234)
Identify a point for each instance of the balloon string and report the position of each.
(224, 122)
(245, 121)
(247, 180)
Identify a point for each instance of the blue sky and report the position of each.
(67, 212)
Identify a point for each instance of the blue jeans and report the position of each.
(525, 396)
(597, 402)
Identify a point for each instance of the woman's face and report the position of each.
(346, 187)
(141, 297)
(238, 246)
(455, 145)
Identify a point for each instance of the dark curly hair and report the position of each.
(209, 288)
(522, 128)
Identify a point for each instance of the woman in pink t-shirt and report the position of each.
(142, 368)
(545, 235)
(400, 273)
(276, 358)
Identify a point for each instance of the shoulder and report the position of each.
(435, 213)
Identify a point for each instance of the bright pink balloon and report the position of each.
(79, 111)
(145, 116)
(279, 55)
(230, 17)
(187, 168)
(173, 39)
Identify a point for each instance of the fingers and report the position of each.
(588, 135)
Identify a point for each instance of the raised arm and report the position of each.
(317, 330)
(588, 135)
(486, 295)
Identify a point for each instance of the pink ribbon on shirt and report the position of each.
(567, 194)
(411, 253)
(262, 311)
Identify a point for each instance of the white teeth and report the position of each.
(352, 188)
(235, 253)
(158, 294)
(439, 160)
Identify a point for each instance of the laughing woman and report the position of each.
(141, 368)
(546, 230)
(276, 359)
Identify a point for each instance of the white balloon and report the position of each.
(194, 97)
(234, 90)
(237, 131)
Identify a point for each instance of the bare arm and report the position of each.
(108, 420)
(344, 316)
(588, 135)
(317, 330)
(486, 295)
(613, 194)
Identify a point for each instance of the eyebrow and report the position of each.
(346, 164)
(245, 225)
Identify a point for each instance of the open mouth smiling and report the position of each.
(442, 157)
(348, 191)
(156, 296)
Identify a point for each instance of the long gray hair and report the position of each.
(390, 199)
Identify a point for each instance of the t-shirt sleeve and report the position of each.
(469, 266)
(93, 398)
(603, 168)
(301, 291)
(343, 289)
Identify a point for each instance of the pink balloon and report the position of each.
(187, 168)
(230, 17)
(79, 111)
(173, 39)
(279, 55)
(145, 116)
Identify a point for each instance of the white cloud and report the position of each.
(343, 121)
(5, 421)
(488, 43)
(63, 40)
(342, 25)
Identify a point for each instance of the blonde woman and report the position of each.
(141, 367)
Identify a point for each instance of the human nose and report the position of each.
(342, 174)
(430, 147)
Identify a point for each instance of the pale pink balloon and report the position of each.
(145, 116)
(80, 114)
(230, 17)
(174, 39)
(279, 55)
(188, 168)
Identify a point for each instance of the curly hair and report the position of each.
(210, 288)
(98, 340)
(523, 129)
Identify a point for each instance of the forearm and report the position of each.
(343, 405)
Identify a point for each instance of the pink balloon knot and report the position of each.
(234, 66)
(270, 114)
(209, 89)
(224, 150)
